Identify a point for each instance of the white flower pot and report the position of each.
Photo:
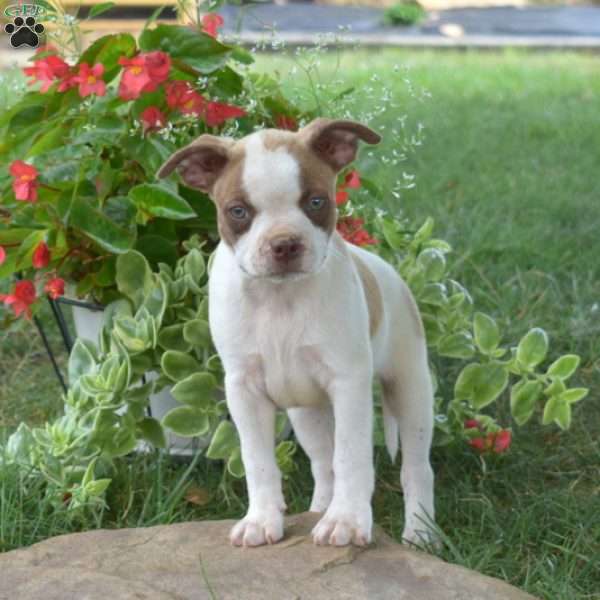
(88, 324)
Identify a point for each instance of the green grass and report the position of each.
(509, 171)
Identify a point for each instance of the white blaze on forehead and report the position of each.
(271, 178)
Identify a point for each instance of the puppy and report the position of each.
(303, 321)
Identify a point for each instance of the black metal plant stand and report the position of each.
(63, 327)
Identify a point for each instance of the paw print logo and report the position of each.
(24, 32)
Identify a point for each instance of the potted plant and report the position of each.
(80, 153)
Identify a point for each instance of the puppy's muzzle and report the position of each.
(286, 250)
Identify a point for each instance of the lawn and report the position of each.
(508, 167)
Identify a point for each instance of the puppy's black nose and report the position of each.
(285, 249)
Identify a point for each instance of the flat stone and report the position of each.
(194, 561)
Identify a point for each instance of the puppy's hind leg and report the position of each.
(408, 404)
(314, 429)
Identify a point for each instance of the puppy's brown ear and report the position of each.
(336, 141)
(200, 163)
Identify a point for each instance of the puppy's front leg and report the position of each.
(254, 416)
(348, 518)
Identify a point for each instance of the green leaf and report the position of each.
(235, 466)
(97, 226)
(134, 278)
(392, 236)
(171, 338)
(433, 328)
(152, 431)
(558, 410)
(242, 55)
(224, 441)
(465, 382)
(97, 487)
(177, 365)
(49, 140)
(532, 349)
(199, 50)
(196, 390)
(433, 263)
(155, 301)
(132, 336)
(159, 201)
(457, 345)
(194, 265)
(574, 395)
(197, 333)
(284, 453)
(556, 387)
(487, 335)
(481, 384)
(523, 398)
(434, 294)
(424, 232)
(563, 415)
(82, 360)
(490, 383)
(186, 421)
(101, 8)
(564, 367)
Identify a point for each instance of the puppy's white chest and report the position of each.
(291, 366)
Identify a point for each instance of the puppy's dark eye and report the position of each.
(316, 202)
(238, 212)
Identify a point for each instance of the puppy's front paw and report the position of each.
(258, 528)
(343, 526)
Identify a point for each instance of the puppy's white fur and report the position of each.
(302, 343)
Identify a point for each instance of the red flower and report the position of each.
(25, 180)
(143, 73)
(181, 96)
(2, 255)
(153, 118)
(90, 80)
(216, 113)
(135, 77)
(41, 256)
(47, 70)
(21, 299)
(493, 442)
(352, 180)
(286, 122)
(55, 288)
(472, 424)
(351, 229)
(67, 82)
(502, 441)
(341, 196)
(211, 22)
(158, 65)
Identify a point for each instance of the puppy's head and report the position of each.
(274, 191)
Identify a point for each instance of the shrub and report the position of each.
(404, 13)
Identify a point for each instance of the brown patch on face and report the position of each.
(229, 192)
(317, 179)
(414, 312)
(372, 293)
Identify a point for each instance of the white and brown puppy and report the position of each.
(302, 321)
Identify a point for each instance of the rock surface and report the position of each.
(194, 561)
